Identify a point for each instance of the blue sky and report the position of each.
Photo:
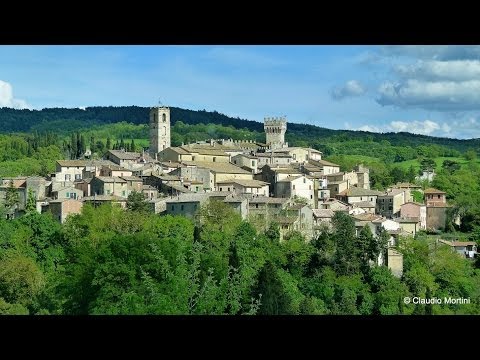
(431, 90)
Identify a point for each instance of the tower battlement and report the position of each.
(275, 121)
(275, 128)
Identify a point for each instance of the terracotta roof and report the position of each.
(245, 183)
(364, 204)
(267, 200)
(69, 163)
(110, 179)
(125, 155)
(434, 191)
(131, 178)
(179, 150)
(458, 243)
(218, 167)
(356, 191)
(323, 213)
(324, 163)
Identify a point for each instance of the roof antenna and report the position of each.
(160, 102)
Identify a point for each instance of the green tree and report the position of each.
(470, 155)
(136, 202)
(31, 205)
(132, 146)
(11, 199)
(109, 144)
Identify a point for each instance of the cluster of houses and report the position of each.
(264, 182)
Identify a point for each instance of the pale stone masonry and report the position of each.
(159, 130)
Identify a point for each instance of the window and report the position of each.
(214, 159)
(164, 117)
(196, 188)
(256, 206)
(154, 117)
(173, 207)
(108, 192)
(235, 162)
(78, 176)
(123, 193)
(181, 207)
(253, 163)
(294, 156)
(78, 167)
(439, 196)
(309, 187)
(67, 194)
(304, 180)
(228, 189)
(311, 196)
(67, 177)
(293, 186)
(390, 200)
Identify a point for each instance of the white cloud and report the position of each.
(425, 127)
(456, 70)
(7, 99)
(436, 95)
(370, 128)
(351, 88)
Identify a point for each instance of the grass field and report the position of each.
(405, 165)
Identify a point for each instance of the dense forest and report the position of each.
(113, 261)
(68, 120)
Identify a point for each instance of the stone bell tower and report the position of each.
(159, 130)
(275, 129)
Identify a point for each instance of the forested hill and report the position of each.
(66, 120)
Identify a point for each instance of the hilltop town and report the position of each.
(265, 183)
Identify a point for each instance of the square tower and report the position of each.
(159, 130)
(275, 129)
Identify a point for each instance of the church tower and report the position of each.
(275, 129)
(159, 130)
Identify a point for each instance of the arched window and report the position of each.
(154, 117)
(164, 117)
(164, 129)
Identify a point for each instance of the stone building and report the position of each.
(275, 129)
(159, 130)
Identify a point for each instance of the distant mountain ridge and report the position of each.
(13, 120)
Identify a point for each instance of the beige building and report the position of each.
(322, 218)
(326, 166)
(409, 225)
(337, 187)
(255, 187)
(297, 218)
(295, 186)
(334, 204)
(434, 197)
(102, 185)
(193, 154)
(299, 154)
(124, 158)
(389, 204)
(246, 162)
(263, 210)
(395, 262)
(355, 195)
(62, 208)
(415, 210)
(114, 170)
(273, 159)
(98, 200)
(67, 193)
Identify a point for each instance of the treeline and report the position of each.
(68, 120)
(113, 261)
